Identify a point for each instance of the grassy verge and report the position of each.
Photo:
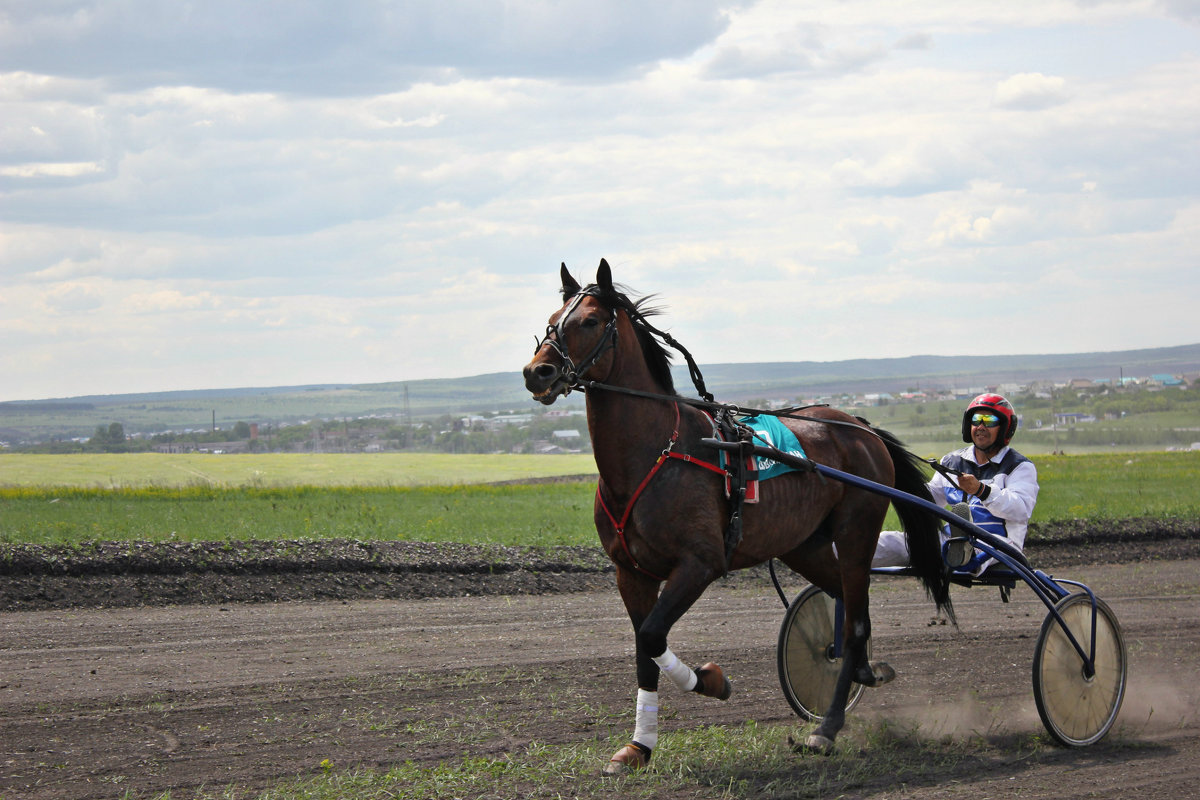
(1108, 486)
(747, 761)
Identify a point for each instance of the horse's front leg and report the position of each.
(653, 616)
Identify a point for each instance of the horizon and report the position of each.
(216, 196)
(675, 366)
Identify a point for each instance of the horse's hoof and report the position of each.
(628, 758)
(876, 673)
(814, 743)
(883, 672)
(713, 682)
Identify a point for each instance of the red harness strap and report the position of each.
(667, 453)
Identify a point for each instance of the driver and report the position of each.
(998, 484)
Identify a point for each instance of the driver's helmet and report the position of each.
(994, 404)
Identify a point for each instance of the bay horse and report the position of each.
(661, 507)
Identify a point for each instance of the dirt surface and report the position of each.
(116, 574)
(187, 678)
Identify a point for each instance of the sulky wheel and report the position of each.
(1078, 709)
(808, 669)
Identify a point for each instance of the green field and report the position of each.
(70, 499)
(137, 470)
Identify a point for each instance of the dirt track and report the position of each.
(94, 703)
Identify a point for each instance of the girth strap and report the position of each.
(739, 478)
(667, 453)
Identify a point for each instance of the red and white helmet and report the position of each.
(994, 404)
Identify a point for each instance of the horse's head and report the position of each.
(580, 338)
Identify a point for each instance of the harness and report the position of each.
(572, 373)
(737, 477)
(725, 426)
(667, 454)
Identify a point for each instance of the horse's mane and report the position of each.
(658, 358)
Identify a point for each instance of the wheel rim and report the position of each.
(1078, 709)
(807, 669)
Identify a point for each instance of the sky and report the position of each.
(233, 193)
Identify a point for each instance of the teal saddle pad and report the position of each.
(769, 431)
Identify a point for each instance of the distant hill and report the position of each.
(939, 372)
(198, 409)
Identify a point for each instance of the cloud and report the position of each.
(1186, 10)
(1031, 91)
(71, 298)
(168, 301)
(806, 48)
(380, 191)
(991, 226)
(55, 170)
(334, 48)
(871, 235)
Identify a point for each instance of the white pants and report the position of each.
(892, 550)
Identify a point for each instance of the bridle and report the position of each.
(723, 415)
(571, 372)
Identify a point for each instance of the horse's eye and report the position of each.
(590, 322)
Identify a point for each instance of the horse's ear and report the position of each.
(604, 276)
(570, 287)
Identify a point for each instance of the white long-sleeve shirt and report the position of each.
(1012, 496)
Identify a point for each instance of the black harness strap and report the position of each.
(738, 438)
(731, 408)
(740, 477)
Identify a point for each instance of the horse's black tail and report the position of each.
(922, 528)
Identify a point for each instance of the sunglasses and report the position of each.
(986, 420)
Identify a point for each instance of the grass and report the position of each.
(535, 515)
(75, 509)
(134, 470)
(746, 761)
(1119, 485)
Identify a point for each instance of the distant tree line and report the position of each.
(452, 434)
(109, 439)
(447, 434)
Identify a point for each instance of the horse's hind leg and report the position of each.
(652, 616)
(819, 565)
(855, 548)
(856, 632)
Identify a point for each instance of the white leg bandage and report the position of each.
(645, 729)
(680, 673)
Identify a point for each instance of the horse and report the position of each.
(661, 506)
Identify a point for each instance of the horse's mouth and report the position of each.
(551, 393)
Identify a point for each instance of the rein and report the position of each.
(730, 409)
(573, 374)
(723, 415)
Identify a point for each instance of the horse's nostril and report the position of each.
(539, 377)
